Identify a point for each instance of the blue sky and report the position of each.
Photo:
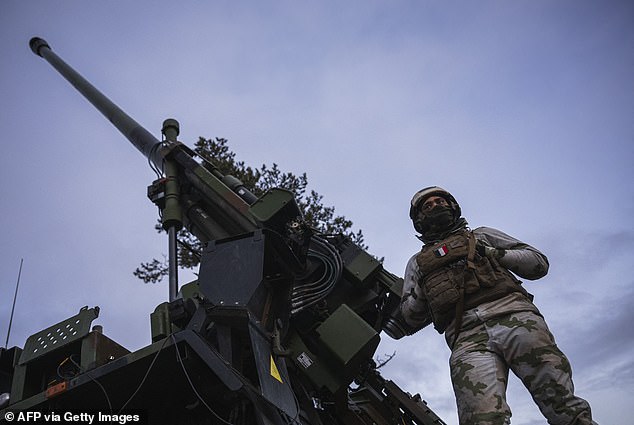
(523, 110)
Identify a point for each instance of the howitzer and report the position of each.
(278, 326)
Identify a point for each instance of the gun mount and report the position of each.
(276, 329)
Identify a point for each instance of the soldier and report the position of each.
(461, 281)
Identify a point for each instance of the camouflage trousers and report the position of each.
(520, 341)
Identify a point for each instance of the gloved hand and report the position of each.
(488, 251)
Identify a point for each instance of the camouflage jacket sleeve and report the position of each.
(520, 258)
(413, 308)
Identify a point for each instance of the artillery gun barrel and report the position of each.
(224, 210)
(142, 139)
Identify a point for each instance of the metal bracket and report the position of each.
(59, 335)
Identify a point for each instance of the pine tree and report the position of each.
(259, 180)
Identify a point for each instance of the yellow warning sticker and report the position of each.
(274, 372)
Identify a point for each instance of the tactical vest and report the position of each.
(455, 277)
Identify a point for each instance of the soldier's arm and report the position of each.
(413, 307)
(522, 259)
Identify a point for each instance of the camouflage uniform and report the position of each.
(495, 336)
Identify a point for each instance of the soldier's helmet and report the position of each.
(420, 196)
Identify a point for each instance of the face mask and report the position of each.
(439, 218)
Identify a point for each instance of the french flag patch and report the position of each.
(442, 251)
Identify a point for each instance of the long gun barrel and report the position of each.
(142, 139)
(226, 201)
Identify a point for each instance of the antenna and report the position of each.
(15, 297)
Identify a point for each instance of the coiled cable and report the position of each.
(308, 293)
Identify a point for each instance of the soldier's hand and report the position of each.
(489, 251)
